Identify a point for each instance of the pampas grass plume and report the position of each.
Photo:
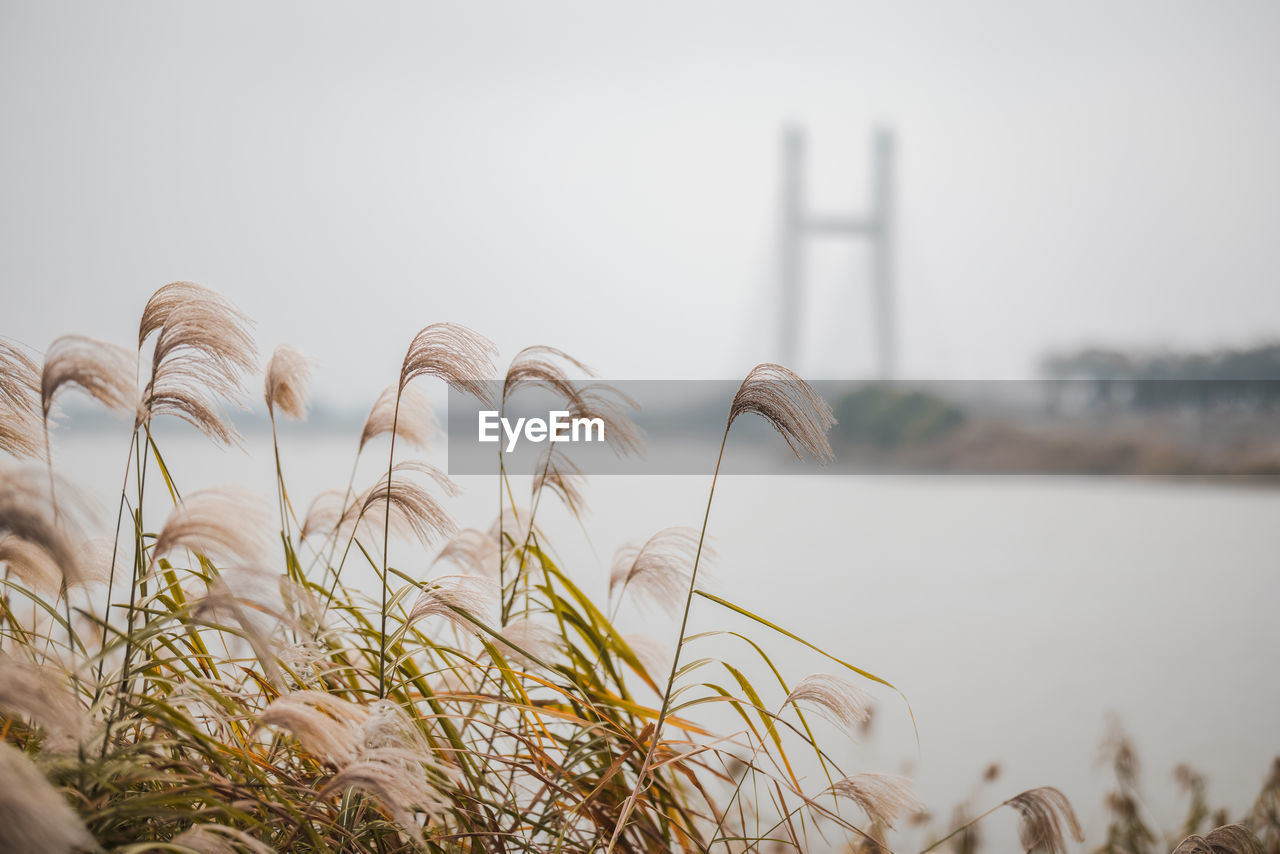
(285, 383)
(447, 595)
(27, 513)
(19, 407)
(223, 523)
(659, 570)
(839, 700)
(455, 354)
(40, 694)
(472, 550)
(34, 817)
(104, 371)
(537, 366)
(607, 403)
(791, 406)
(202, 350)
(562, 477)
(413, 506)
(220, 839)
(329, 727)
(1047, 817)
(1228, 839)
(883, 797)
(415, 422)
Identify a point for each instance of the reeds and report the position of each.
(236, 697)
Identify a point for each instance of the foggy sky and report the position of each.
(603, 177)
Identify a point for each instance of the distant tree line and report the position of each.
(887, 417)
(1247, 379)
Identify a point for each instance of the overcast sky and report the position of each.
(603, 176)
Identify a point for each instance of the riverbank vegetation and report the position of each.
(212, 679)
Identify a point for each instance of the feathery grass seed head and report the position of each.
(537, 366)
(1047, 817)
(1228, 839)
(34, 817)
(39, 693)
(30, 563)
(455, 354)
(791, 406)
(447, 595)
(472, 550)
(19, 378)
(838, 699)
(27, 515)
(527, 642)
(222, 523)
(659, 570)
(202, 350)
(220, 839)
(104, 371)
(324, 513)
(558, 474)
(328, 727)
(414, 509)
(390, 776)
(285, 383)
(883, 797)
(415, 421)
(20, 427)
(611, 406)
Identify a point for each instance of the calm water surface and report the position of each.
(1015, 614)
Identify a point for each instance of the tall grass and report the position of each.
(210, 681)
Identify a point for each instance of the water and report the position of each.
(1015, 614)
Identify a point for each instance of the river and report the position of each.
(1015, 614)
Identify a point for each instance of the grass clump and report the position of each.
(210, 682)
